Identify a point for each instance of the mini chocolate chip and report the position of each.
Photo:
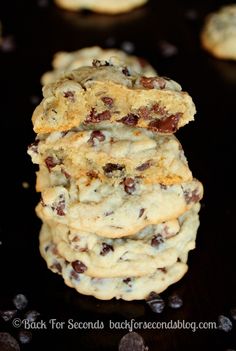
(233, 313)
(141, 212)
(51, 162)
(109, 213)
(128, 281)
(129, 120)
(32, 315)
(79, 266)
(163, 270)
(56, 266)
(129, 185)
(165, 125)
(106, 248)
(34, 146)
(191, 196)
(108, 101)
(224, 323)
(25, 336)
(157, 240)
(96, 134)
(8, 315)
(98, 63)
(8, 343)
(95, 117)
(70, 95)
(174, 301)
(20, 301)
(144, 166)
(126, 72)
(132, 341)
(163, 186)
(155, 302)
(109, 168)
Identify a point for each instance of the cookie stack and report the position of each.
(119, 204)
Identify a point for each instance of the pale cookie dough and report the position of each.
(64, 62)
(126, 288)
(112, 211)
(102, 6)
(113, 155)
(154, 247)
(90, 95)
(219, 33)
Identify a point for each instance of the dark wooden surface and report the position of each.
(209, 288)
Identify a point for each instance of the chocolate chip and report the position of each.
(109, 213)
(96, 134)
(95, 117)
(25, 336)
(156, 108)
(66, 174)
(79, 266)
(224, 323)
(60, 206)
(163, 270)
(132, 341)
(129, 120)
(51, 162)
(70, 95)
(129, 185)
(8, 315)
(174, 301)
(141, 212)
(155, 302)
(20, 301)
(92, 174)
(144, 166)
(144, 113)
(166, 125)
(74, 275)
(106, 248)
(157, 240)
(163, 186)
(56, 266)
(32, 315)
(108, 101)
(128, 281)
(153, 82)
(34, 146)
(191, 196)
(126, 72)
(233, 313)
(8, 343)
(109, 168)
(98, 63)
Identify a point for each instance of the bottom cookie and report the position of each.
(126, 288)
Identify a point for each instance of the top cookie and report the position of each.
(103, 6)
(67, 61)
(90, 95)
(219, 33)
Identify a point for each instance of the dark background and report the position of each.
(38, 30)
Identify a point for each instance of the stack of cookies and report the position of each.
(119, 204)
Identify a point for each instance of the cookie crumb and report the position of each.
(132, 341)
(224, 323)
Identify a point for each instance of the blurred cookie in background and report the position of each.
(219, 33)
(101, 6)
